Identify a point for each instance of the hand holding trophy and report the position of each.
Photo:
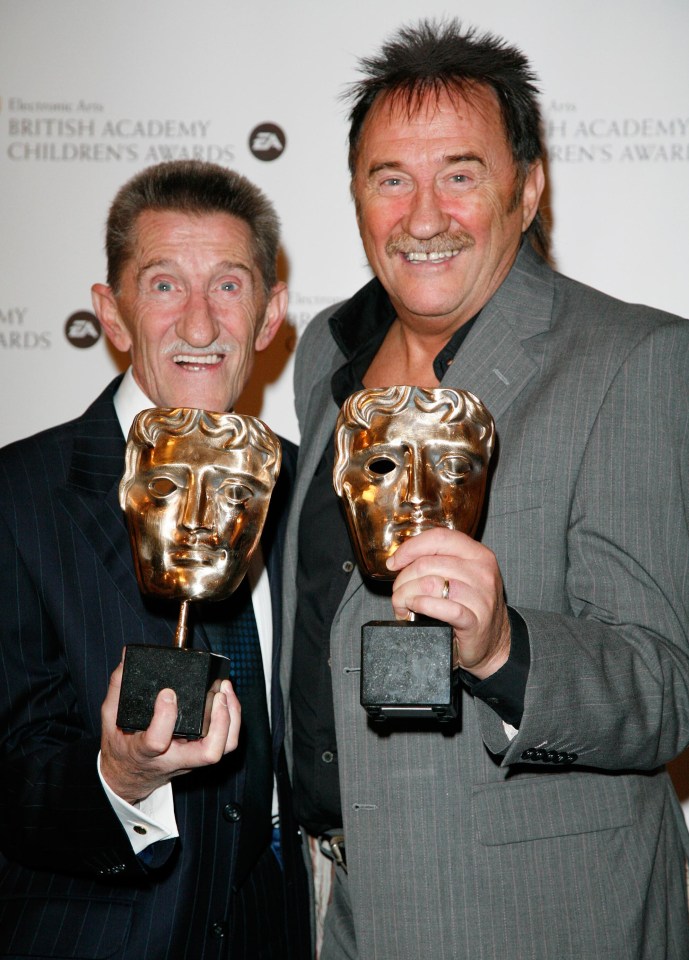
(195, 491)
(408, 459)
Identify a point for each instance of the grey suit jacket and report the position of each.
(461, 843)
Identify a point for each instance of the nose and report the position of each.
(426, 217)
(199, 506)
(197, 325)
(414, 487)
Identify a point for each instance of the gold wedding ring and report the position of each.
(446, 589)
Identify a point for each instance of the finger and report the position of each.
(409, 589)
(425, 596)
(218, 728)
(234, 709)
(157, 738)
(440, 540)
(112, 697)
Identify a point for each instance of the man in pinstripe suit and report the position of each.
(139, 845)
(542, 824)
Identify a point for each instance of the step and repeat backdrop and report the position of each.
(91, 92)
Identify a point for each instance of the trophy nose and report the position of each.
(414, 486)
(199, 506)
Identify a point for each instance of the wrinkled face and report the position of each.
(408, 472)
(438, 205)
(195, 513)
(191, 309)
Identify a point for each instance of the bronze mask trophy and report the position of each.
(195, 491)
(408, 459)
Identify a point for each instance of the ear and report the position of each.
(105, 308)
(276, 311)
(531, 194)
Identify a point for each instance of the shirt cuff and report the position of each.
(505, 690)
(148, 821)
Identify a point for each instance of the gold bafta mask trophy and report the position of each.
(408, 459)
(195, 492)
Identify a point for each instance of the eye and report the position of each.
(455, 468)
(163, 286)
(236, 492)
(229, 286)
(161, 487)
(393, 185)
(380, 466)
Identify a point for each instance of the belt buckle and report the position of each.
(334, 848)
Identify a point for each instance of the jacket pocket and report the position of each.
(74, 929)
(536, 808)
(514, 497)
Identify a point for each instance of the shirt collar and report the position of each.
(129, 401)
(359, 327)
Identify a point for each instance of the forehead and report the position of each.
(196, 450)
(436, 120)
(172, 234)
(412, 426)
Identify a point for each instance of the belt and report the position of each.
(332, 846)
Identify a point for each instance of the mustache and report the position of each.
(218, 346)
(440, 243)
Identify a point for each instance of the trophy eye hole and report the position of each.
(380, 466)
(162, 487)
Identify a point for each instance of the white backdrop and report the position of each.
(92, 91)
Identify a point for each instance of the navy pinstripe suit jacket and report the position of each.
(70, 885)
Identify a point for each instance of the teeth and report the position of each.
(197, 360)
(434, 257)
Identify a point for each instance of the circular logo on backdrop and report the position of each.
(267, 141)
(82, 329)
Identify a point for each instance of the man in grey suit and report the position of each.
(541, 824)
(138, 845)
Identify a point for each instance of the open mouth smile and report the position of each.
(418, 256)
(194, 362)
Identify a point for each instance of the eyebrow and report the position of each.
(448, 161)
(166, 264)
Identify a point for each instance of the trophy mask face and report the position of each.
(196, 504)
(410, 468)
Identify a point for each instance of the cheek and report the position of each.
(374, 512)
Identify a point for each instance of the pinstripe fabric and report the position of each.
(456, 848)
(69, 884)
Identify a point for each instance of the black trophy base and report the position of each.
(406, 670)
(194, 675)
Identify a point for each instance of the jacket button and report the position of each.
(327, 756)
(218, 929)
(232, 812)
(529, 754)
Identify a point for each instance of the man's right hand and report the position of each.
(135, 764)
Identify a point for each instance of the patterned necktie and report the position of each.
(231, 630)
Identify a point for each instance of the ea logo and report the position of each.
(267, 141)
(82, 329)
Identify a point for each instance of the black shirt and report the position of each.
(325, 563)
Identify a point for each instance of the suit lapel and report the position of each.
(90, 497)
(495, 363)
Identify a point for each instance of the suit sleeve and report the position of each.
(54, 814)
(609, 685)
